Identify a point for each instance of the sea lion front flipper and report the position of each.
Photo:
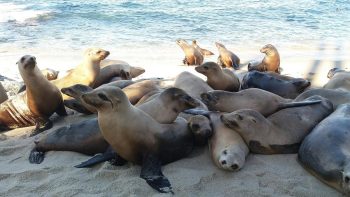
(61, 110)
(41, 126)
(185, 62)
(110, 155)
(36, 156)
(151, 171)
(22, 89)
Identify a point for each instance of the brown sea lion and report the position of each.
(227, 59)
(3, 95)
(338, 79)
(337, 97)
(86, 72)
(36, 104)
(325, 152)
(259, 100)
(148, 142)
(204, 52)
(219, 79)
(271, 61)
(192, 55)
(286, 87)
(281, 132)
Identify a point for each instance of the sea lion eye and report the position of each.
(206, 67)
(103, 97)
(253, 120)
(22, 59)
(240, 117)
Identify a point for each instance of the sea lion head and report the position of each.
(219, 45)
(76, 90)
(96, 54)
(208, 68)
(181, 42)
(50, 74)
(242, 120)
(107, 98)
(201, 129)
(268, 49)
(210, 99)
(194, 42)
(300, 84)
(230, 159)
(181, 98)
(26, 62)
(332, 72)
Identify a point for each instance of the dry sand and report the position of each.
(263, 175)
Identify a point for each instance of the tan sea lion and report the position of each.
(86, 72)
(337, 97)
(281, 132)
(116, 65)
(36, 104)
(283, 86)
(148, 142)
(201, 128)
(50, 74)
(325, 151)
(3, 95)
(227, 59)
(338, 79)
(271, 61)
(192, 55)
(106, 76)
(204, 52)
(219, 79)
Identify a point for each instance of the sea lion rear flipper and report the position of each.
(151, 171)
(41, 126)
(36, 156)
(110, 155)
(297, 104)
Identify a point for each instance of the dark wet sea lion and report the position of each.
(192, 55)
(282, 86)
(325, 152)
(36, 104)
(337, 97)
(227, 59)
(281, 132)
(219, 79)
(338, 79)
(204, 52)
(271, 61)
(147, 143)
(86, 72)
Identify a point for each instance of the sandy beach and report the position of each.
(262, 175)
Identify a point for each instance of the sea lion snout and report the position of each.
(209, 99)
(231, 161)
(190, 101)
(231, 120)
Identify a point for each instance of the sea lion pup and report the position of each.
(227, 59)
(164, 109)
(219, 79)
(259, 100)
(147, 143)
(107, 76)
(228, 149)
(36, 104)
(271, 61)
(281, 132)
(269, 82)
(338, 79)
(325, 151)
(3, 95)
(116, 65)
(337, 97)
(204, 52)
(86, 72)
(192, 55)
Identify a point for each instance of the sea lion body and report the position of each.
(338, 79)
(337, 97)
(192, 55)
(227, 59)
(325, 151)
(219, 79)
(286, 87)
(204, 52)
(36, 104)
(271, 61)
(281, 132)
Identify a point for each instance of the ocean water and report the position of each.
(74, 24)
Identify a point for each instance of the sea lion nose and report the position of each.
(234, 166)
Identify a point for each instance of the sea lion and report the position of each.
(228, 149)
(36, 104)
(201, 128)
(164, 109)
(86, 72)
(219, 79)
(255, 99)
(50, 74)
(204, 52)
(115, 66)
(192, 55)
(147, 143)
(338, 79)
(106, 75)
(281, 132)
(271, 61)
(3, 95)
(285, 88)
(325, 151)
(227, 59)
(337, 97)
